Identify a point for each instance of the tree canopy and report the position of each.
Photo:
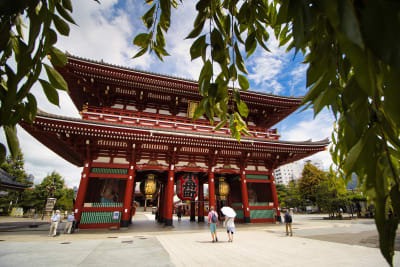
(310, 179)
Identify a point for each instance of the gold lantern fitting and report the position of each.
(148, 187)
(223, 188)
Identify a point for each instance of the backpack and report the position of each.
(213, 218)
(288, 218)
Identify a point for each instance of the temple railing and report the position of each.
(167, 122)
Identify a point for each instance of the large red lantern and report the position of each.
(187, 186)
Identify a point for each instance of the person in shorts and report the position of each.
(230, 227)
(213, 222)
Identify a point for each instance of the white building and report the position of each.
(292, 171)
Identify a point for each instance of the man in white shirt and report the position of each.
(55, 219)
(68, 225)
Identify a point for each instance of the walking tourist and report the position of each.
(213, 222)
(288, 222)
(69, 224)
(230, 227)
(55, 219)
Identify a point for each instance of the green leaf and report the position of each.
(349, 22)
(243, 82)
(205, 77)
(239, 60)
(283, 13)
(196, 31)
(31, 107)
(199, 110)
(51, 39)
(50, 92)
(12, 140)
(64, 14)
(55, 78)
(58, 58)
(196, 50)
(67, 4)
(220, 125)
(165, 16)
(243, 109)
(232, 72)
(141, 52)
(298, 28)
(142, 40)
(61, 26)
(251, 44)
(237, 34)
(148, 17)
(2, 153)
(353, 156)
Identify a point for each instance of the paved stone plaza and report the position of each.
(316, 242)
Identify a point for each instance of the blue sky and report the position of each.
(106, 31)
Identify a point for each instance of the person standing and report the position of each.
(69, 224)
(213, 222)
(55, 219)
(179, 213)
(288, 222)
(230, 227)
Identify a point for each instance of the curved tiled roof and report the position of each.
(7, 181)
(323, 142)
(102, 63)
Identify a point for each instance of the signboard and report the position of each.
(50, 204)
(187, 186)
(115, 215)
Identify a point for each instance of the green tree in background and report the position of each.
(282, 192)
(331, 194)
(311, 178)
(293, 196)
(15, 167)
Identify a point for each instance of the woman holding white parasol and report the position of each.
(230, 215)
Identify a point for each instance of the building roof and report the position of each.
(99, 84)
(7, 181)
(64, 135)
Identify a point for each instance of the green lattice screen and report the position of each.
(109, 170)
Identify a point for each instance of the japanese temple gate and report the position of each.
(136, 125)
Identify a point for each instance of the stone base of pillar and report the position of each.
(247, 219)
(124, 223)
(168, 222)
(200, 219)
(192, 218)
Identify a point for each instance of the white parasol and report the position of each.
(228, 211)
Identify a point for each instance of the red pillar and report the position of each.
(275, 195)
(211, 190)
(128, 195)
(245, 198)
(80, 197)
(161, 204)
(169, 198)
(200, 207)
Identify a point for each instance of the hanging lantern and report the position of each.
(148, 187)
(223, 188)
(187, 186)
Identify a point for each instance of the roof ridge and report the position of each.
(169, 76)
